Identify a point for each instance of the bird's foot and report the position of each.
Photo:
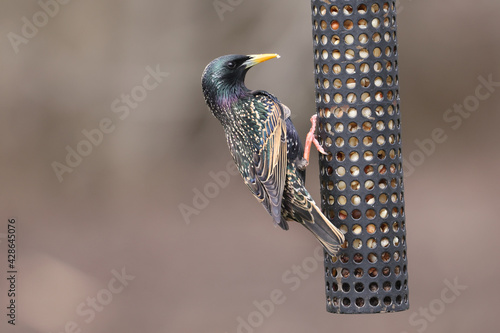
(310, 139)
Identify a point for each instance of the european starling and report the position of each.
(265, 146)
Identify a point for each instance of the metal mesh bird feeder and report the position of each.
(357, 101)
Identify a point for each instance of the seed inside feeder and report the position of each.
(348, 10)
(352, 127)
(367, 141)
(369, 184)
(356, 229)
(371, 243)
(342, 200)
(349, 39)
(348, 24)
(365, 82)
(364, 67)
(339, 142)
(395, 226)
(372, 257)
(362, 9)
(373, 273)
(363, 38)
(382, 169)
(337, 98)
(368, 155)
(351, 98)
(365, 97)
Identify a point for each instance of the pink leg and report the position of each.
(311, 138)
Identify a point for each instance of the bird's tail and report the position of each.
(329, 236)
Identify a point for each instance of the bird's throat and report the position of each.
(228, 95)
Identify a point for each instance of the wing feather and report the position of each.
(271, 158)
(264, 172)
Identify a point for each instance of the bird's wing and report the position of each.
(299, 206)
(265, 174)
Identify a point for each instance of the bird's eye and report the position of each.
(231, 65)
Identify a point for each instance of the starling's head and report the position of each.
(223, 80)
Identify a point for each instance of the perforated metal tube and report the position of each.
(357, 100)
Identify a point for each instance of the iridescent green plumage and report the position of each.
(256, 135)
(265, 146)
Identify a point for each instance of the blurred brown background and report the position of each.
(118, 210)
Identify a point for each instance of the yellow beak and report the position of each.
(258, 58)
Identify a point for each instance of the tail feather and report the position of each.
(328, 235)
